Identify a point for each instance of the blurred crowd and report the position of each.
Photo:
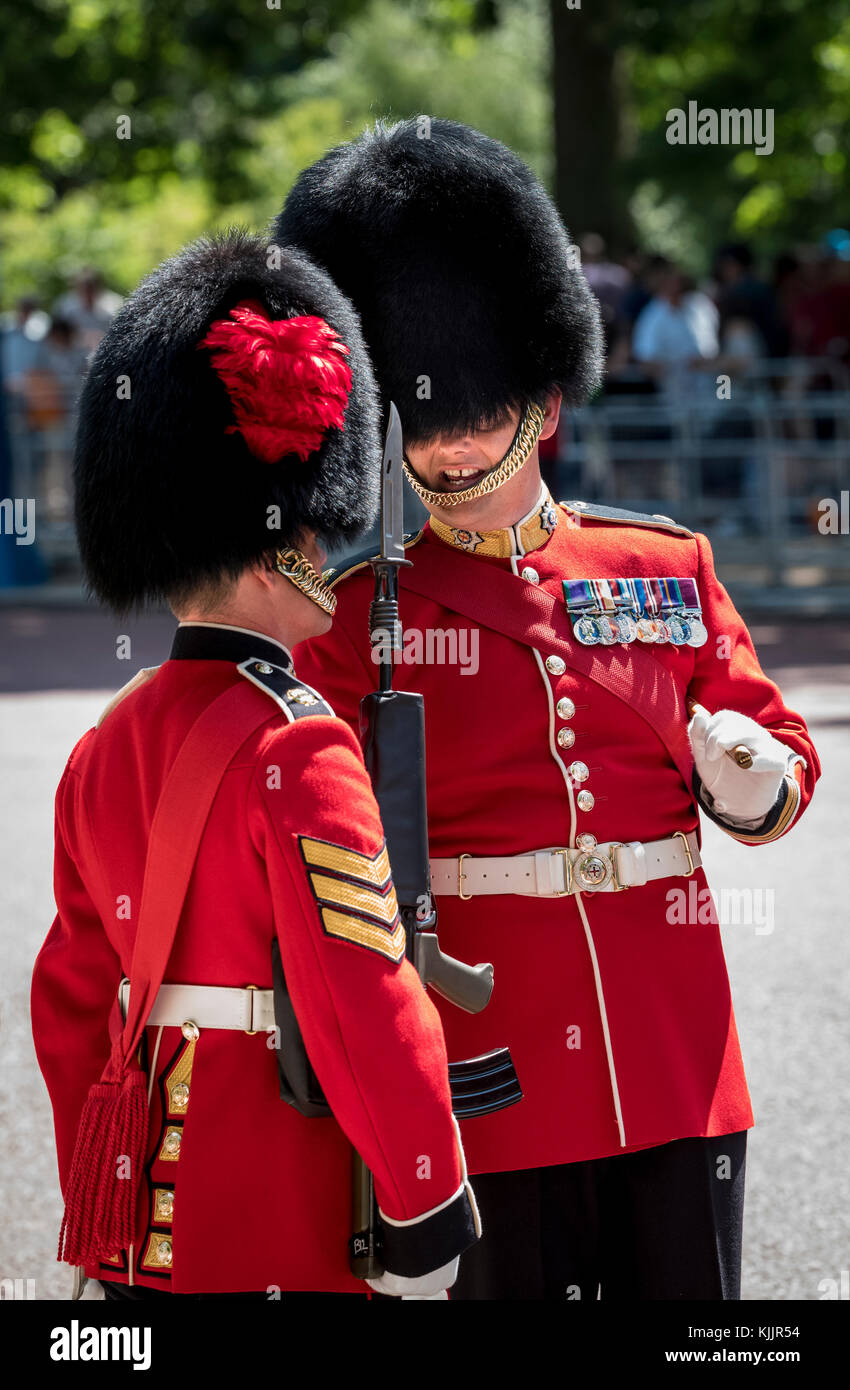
(665, 332)
(43, 356)
(668, 341)
(708, 383)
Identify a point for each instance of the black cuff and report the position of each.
(416, 1249)
(706, 801)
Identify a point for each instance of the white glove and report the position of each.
(738, 793)
(432, 1285)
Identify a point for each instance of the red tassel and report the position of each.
(100, 1203)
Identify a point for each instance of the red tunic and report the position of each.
(618, 1018)
(242, 1192)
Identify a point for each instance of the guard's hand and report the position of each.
(432, 1285)
(745, 793)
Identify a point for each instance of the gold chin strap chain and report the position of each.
(525, 439)
(298, 570)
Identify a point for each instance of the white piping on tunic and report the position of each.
(588, 935)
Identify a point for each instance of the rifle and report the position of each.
(392, 731)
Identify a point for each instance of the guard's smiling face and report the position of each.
(451, 463)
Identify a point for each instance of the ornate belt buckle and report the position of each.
(592, 871)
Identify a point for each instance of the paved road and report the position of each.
(790, 984)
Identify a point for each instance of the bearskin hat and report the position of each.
(230, 404)
(458, 263)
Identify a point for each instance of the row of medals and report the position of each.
(681, 629)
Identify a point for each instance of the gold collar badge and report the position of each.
(533, 532)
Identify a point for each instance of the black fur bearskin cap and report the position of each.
(168, 492)
(457, 261)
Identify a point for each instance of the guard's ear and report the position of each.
(552, 414)
(264, 573)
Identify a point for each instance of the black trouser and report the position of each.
(662, 1223)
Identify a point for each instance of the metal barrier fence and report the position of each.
(753, 467)
(756, 465)
(41, 457)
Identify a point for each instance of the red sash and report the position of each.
(498, 599)
(100, 1196)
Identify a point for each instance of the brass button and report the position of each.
(586, 841)
(162, 1252)
(164, 1205)
(585, 801)
(263, 669)
(179, 1096)
(555, 666)
(301, 697)
(566, 738)
(565, 707)
(579, 772)
(191, 1032)
(531, 575)
(171, 1143)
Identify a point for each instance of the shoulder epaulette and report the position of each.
(292, 696)
(360, 561)
(598, 512)
(133, 684)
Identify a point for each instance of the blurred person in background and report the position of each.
(638, 293)
(734, 472)
(21, 335)
(61, 356)
(676, 334)
(745, 299)
(608, 280)
(22, 332)
(52, 387)
(820, 316)
(791, 278)
(89, 306)
(623, 375)
(682, 341)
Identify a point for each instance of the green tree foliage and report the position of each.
(226, 100)
(789, 55)
(193, 76)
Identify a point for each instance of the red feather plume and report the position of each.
(287, 379)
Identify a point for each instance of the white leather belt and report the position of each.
(554, 872)
(248, 1010)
